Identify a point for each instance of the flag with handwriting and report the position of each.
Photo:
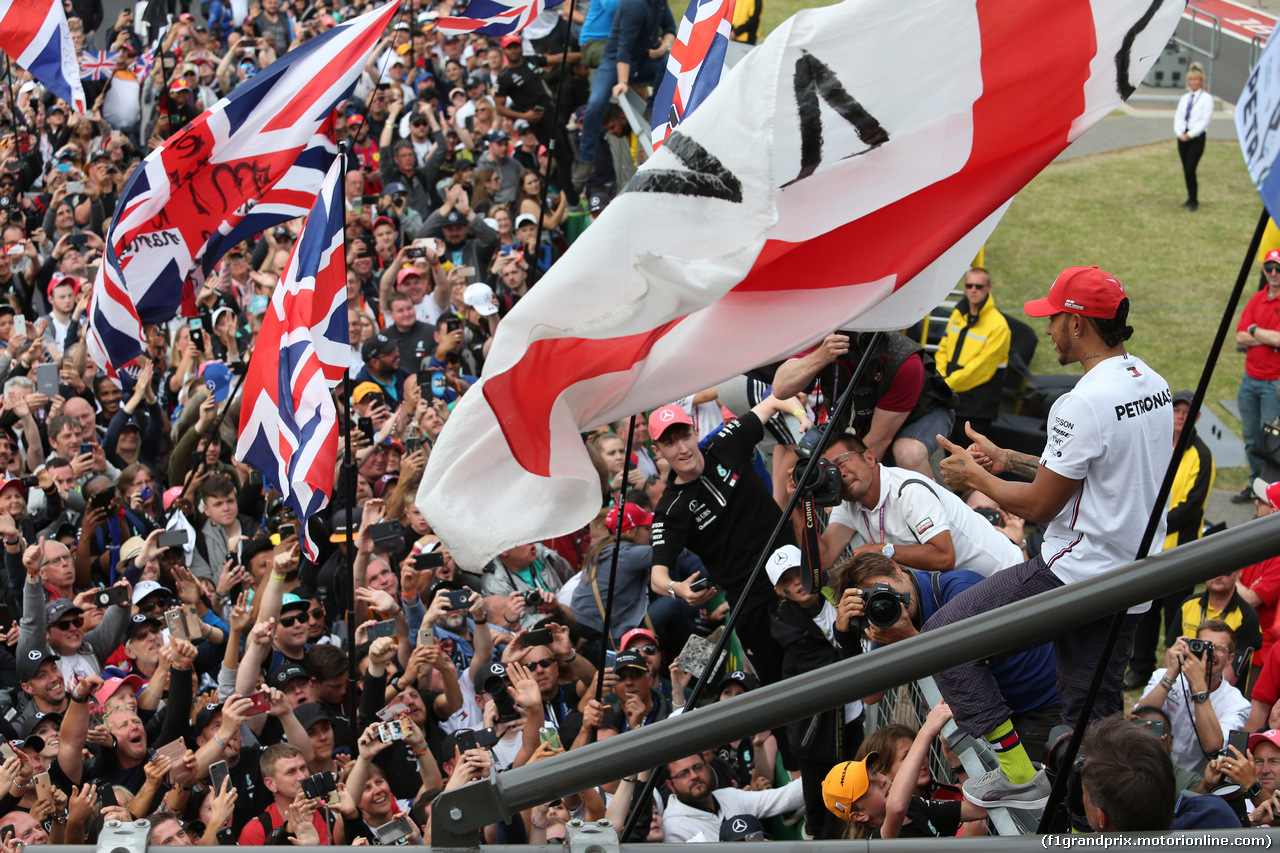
(842, 175)
(255, 159)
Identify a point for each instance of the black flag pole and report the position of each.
(556, 131)
(606, 639)
(810, 466)
(1059, 789)
(349, 486)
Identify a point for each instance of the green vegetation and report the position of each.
(1121, 212)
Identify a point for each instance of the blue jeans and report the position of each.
(602, 90)
(1258, 405)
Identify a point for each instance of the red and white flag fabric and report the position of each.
(34, 33)
(288, 421)
(495, 17)
(694, 66)
(843, 175)
(254, 159)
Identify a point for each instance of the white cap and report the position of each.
(480, 297)
(786, 557)
(145, 588)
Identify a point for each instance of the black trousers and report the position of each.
(1190, 152)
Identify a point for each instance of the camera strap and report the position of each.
(810, 549)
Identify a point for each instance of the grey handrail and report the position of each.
(458, 814)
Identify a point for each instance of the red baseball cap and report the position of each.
(666, 417)
(643, 633)
(512, 38)
(1273, 255)
(1087, 291)
(632, 517)
(1271, 736)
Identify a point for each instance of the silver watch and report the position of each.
(888, 550)
(671, 590)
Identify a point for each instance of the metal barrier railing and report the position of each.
(1210, 52)
(1256, 44)
(460, 813)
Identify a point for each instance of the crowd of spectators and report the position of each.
(169, 653)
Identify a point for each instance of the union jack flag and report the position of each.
(99, 65)
(255, 159)
(495, 17)
(288, 422)
(35, 34)
(145, 62)
(693, 68)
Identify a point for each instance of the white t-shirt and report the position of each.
(913, 510)
(1229, 706)
(1114, 431)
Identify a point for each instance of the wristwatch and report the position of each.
(888, 550)
(1253, 790)
(671, 589)
(1202, 696)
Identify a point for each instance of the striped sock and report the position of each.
(1013, 758)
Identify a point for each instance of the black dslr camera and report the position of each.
(816, 478)
(495, 684)
(882, 606)
(1202, 648)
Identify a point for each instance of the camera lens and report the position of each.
(883, 610)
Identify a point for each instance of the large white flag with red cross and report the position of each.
(841, 176)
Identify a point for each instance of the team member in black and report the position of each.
(716, 506)
(521, 81)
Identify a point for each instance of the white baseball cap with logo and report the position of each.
(786, 557)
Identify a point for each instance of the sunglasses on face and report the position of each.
(292, 619)
(149, 606)
(971, 286)
(1272, 267)
(545, 663)
(646, 649)
(318, 613)
(68, 624)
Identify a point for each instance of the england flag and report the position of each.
(255, 159)
(842, 176)
(288, 422)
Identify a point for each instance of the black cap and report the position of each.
(630, 660)
(597, 202)
(745, 679)
(137, 622)
(1183, 396)
(498, 135)
(494, 670)
(282, 676)
(310, 713)
(205, 714)
(378, 345)
(742, 827)
(29, 663)
(455, 217)
(59, 607)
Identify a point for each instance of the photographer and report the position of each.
(1202, 707)
(806, 626)
(910, 519)
(1026, 680)
(292, 813)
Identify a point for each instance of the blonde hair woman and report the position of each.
(1190, 122)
